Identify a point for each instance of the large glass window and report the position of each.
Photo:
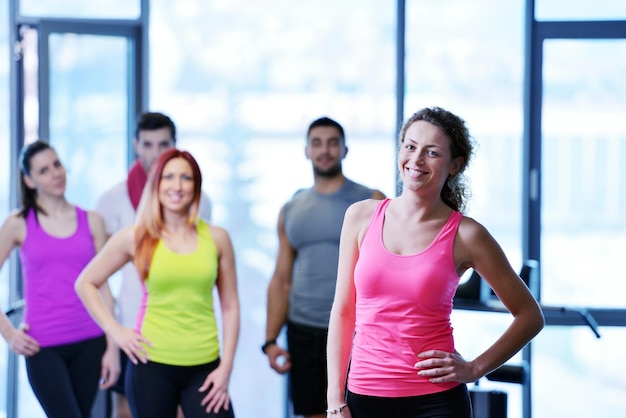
(88, 111)
(243, 86)
(578, 375)
(584, 180)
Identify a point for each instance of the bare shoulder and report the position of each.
(470, 229)
(124, 238)
(282, 215)
(15, 218)
(220, 235)
(472, 233)
(14, 227)
(221, 239)
(95, 219)
(474, 243)
(362, 210)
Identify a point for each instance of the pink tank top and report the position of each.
(50, 266)
(403, 307)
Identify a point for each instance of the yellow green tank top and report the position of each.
(176, 313)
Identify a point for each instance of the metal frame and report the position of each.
(536, 32)
(400, 75)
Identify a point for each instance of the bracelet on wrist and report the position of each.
(337, 410)
(267, 344)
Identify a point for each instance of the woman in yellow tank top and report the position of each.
(174, 348)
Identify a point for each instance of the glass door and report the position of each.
(81, 87)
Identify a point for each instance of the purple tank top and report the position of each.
(50, 266)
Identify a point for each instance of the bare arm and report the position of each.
(482, 252)
(217, 382)
(342, 314)
(12, 235)
(278, 297)
(118, 250)
(490, 262)
(229, 297)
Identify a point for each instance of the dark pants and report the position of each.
(307, 377)
(452, 403)
(65, 377)
(155, 390)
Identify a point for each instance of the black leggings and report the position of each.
(154, 390)
(65, 377)
(452, 403)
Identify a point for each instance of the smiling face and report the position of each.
(47, 175)
(325, 148)
(424, 159)
(176, 186)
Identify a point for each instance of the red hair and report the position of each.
(149, 223)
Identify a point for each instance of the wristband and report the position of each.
(267, 344)
(337, 410)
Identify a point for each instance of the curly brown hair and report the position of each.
(456, 189)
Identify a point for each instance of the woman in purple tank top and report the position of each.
(400, 261)
(66, 354)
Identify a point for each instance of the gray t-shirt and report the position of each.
(313, 226)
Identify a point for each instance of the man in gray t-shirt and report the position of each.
(302, 288)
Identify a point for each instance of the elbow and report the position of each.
(78, 288)
(281, 285)
(342, 316)
(531, 320)
(231, 308)
(81, 287)
(536, 322)
(540, 321)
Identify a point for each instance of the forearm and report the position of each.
(109, 303)
(6, 327)
(340, 332)
(277, 310)
(230, 337)
(96, 306)
(524, 328)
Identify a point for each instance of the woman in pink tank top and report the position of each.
(66, 354)
(390, 337)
